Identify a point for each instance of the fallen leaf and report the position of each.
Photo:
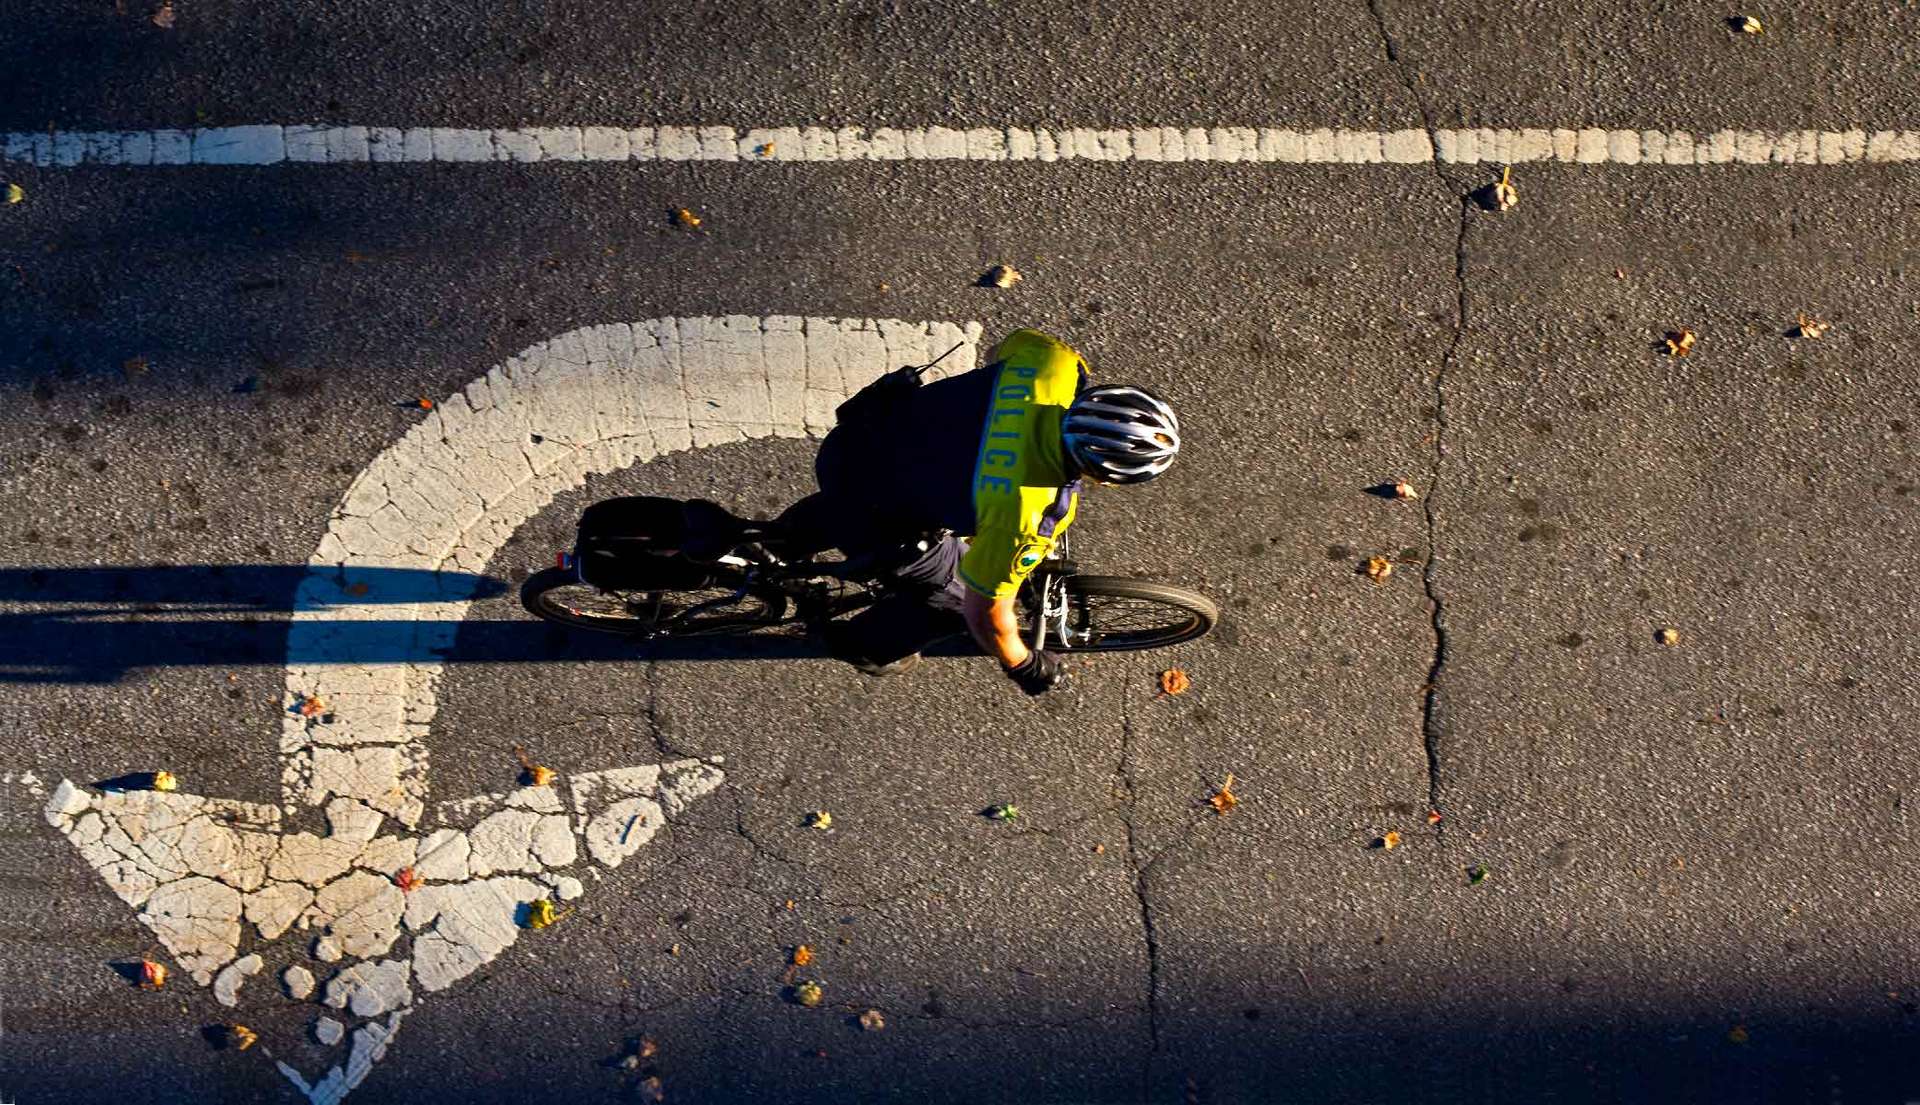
(651, 1090)
(687, 218)
(1738, 1034)
(1006, 812)
(872, 1021)
(1378, 568)
(1433, 817)
(1680, 342)
(809, 994)
(424, 403)
(240, 1037)
(407, 879)
(532, 774)
(1405, 490)
(1750, 24)
(163, 18)
(1505, 196)
(1099, 849)
(1002, 276)
(1174, 681)
(802, 956)
(164, 781)
(1224, 799)
(1810, 327)
(1390, 841)
(1668, 636)
(1477, 874)
(15, 193)
(1619, 274)
(152, 975)
(764, 150)
(648, 1048)
(310, 705)
(820, 819)
(541, 913)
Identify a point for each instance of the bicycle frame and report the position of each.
(1047, 591)
(1052, 598)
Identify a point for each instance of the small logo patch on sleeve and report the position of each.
(1029, 556)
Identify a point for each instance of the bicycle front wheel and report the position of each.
(1122, 614)
(558, 596)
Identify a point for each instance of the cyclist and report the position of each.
(996, 458)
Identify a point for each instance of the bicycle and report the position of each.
(651, 567)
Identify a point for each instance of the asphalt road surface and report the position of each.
(1624, 870)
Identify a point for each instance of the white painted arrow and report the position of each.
(222, 883)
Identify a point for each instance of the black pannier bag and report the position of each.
(636, 544)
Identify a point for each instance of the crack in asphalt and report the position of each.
(1430, 707)
(1124, 775)
(1431, 715)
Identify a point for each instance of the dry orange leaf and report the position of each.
(407, 879)
(1390, 841)
(164, 781)
(648, 1048)
(240, 1037)
(1378, 568)
(310, 705)
(687, 218)
(425, 403)
(1433, 817)
(802, 956)
(872, 1021)
(1680, 342)
(1811, 327)
(1224, 799)
(1174, 681)
(533, 774)
(152, 975)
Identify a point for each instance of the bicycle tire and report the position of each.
(1165, 614)
(557, 595)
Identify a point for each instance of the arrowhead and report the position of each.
(214, 878)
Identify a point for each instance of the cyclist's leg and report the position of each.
(923, 608)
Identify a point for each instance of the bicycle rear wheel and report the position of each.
(1122, 614)
(558, 596)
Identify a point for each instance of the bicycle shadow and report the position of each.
(95, 625)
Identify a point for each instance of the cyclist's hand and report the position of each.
(1041, 672)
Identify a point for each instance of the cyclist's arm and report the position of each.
(995, 628)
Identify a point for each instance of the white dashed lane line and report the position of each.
(275, 144)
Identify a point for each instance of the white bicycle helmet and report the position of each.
(1117, 433)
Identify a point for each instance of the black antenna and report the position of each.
(923, 369)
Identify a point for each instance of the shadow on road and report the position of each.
(93, 625)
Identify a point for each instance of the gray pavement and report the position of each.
(1699, 857)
